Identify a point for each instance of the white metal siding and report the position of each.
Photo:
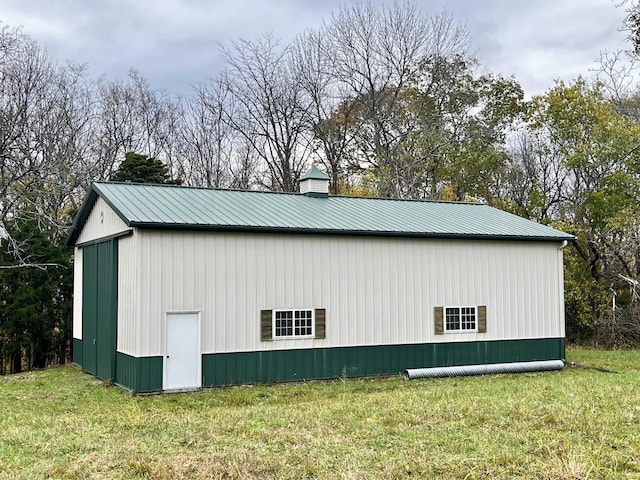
(375, 290)
(77, 293)
(129, 284)
(101, 222)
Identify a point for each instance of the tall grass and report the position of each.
(575, 424)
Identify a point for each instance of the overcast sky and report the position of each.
(174, 43)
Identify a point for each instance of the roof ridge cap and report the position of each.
(275, 192)
(420, 200)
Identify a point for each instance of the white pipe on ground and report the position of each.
(486, 369)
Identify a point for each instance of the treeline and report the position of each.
(389, 100)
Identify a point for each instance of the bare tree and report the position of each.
(217, 148)
(331, 111)
(62, 142)
(376, 54)
(26, 76)
(244, 166)
(44, 139)
(205, 138)
(631, 23)
(132, 117)
(538, 180)
(271, 108)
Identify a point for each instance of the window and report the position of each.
(292, 323)
(460, 319)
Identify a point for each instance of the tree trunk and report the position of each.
(16, 362)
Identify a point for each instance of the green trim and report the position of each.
(352, 233)
(89, 243)
(83, 213)
(316, 194)
(306, 364)
(139, 374)
(76, 351)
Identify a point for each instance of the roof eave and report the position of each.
(321, 231)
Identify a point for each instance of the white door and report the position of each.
(182, 351)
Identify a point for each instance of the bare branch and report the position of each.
(41, 266)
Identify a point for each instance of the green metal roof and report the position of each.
(171, 206)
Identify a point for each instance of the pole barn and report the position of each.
(179, 288)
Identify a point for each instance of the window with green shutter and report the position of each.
(292, 323)
(460, 319)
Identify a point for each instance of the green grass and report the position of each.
(575, 424)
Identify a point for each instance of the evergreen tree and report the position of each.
(140, 168)
(36, 285)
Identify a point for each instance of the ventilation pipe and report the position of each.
(465, 370)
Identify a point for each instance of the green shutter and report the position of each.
(321, 319)
(482, 319)
(266, 322)
(438, 322)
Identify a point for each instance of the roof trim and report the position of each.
(81, 217)
(88, 243)
(318, 231)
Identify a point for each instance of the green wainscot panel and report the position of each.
(76, 351)
(139, 374)
(307, 364)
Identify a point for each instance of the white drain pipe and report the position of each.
(492, 368)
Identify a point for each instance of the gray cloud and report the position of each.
(539, 42)
(174, 43)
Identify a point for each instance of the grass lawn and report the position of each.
(575, 424)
